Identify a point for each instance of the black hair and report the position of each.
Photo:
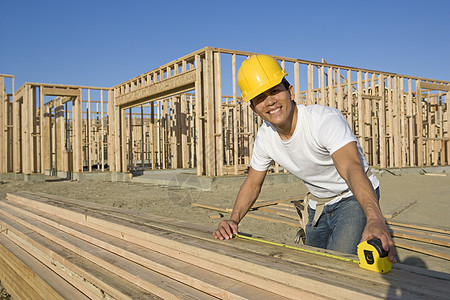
(286, 83)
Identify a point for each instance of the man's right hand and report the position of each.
(226, 230)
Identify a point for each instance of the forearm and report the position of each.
(363, 191)
(245, 199)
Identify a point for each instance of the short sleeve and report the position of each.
(334, 131)
(260, 160)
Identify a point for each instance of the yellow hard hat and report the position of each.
(257, 74)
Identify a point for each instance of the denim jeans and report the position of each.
(340, 226)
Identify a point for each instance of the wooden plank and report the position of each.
(248, 266)
(95, 281)
(29, 277)
(55, 91)
(399, 210)
(139, 275)
(400, 279)
(264, 284)
(398, 233)
(259, 204)
(189, 274)
(422, 250)
(435, 86)
(165, 88)
(229, 210)
(420, 227)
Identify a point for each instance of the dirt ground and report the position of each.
(432, 194)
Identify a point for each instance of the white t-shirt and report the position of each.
(319, 132)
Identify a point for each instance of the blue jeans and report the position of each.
(340, 226)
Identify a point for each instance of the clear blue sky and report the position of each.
(103, 43)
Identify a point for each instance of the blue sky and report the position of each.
(103, 43)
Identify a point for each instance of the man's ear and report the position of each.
(291, 91)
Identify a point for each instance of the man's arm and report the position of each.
(244, 201)
(349, 166)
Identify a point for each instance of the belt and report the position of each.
(322, 201)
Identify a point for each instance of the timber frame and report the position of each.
(187, 114)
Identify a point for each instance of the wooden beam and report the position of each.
(435, 86)
(165, 88)
(54, 91)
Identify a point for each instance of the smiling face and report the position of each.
(276, 106)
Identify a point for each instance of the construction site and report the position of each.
(114, 192)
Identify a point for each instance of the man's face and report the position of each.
(274, 105)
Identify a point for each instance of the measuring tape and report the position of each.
(298, 249)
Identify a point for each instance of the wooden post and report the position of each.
(340, 99)
(447, 127)
(16, 134)
(361, 133)
(59, 117)
(111, 132)
(102, 130)
(142, 138)
(26, 133)
(41, 127)
(297, 82)
(123, 141)
(410, 121)
(235, 116)
(209, 98)
(77, 128)
(309, 99)
(198, 115)
(389, 120)
(219, 137)
(3, 127)
(89, 143)
(331, 100)
(403, 131)
(153, 135)
(373, 112)
(183, 118)
(350, 100)
(382, 141)
(323, 96)
(419, 125)
(396, 123)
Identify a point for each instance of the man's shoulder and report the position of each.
(319, 109)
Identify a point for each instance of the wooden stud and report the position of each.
(199, 115)
(419, 125)
(235, 115)
(3, 127)
(218, 134)
(382, 142)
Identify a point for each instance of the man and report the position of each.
(316, 144)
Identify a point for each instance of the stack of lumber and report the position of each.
(422, 239)
(58, 248)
